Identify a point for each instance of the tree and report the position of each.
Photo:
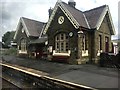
(8, 37)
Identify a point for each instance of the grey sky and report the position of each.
(12, 10)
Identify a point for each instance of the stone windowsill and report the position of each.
(22, 52)
(61, 54)
(84, 52)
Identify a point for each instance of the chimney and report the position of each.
(72, 3)
(50, 11)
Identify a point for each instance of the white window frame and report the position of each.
(23, 46)
(99, 45)
(84, 46)
(100, 42)
(60, 43)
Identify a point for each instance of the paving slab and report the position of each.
(90, 79)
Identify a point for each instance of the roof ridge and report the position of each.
(32, 19)
(72, 7)
(86, 10)
(32, 22)
(95, 8)
(86, 20)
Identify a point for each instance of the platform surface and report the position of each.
(89, 75)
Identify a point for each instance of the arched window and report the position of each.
(84, 43)
(23, 45)
(61, 43)
(106, 44)
(100, 42)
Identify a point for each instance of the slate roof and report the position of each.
(34, 27)
(93, 15)
(39, 41)
(77, 14)
(87, 19)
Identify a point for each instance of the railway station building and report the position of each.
(27, 37)
(70, 35)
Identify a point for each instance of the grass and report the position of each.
(10, 51)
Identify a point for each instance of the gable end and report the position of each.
(21, 22)
(66, 12)
(106, 13)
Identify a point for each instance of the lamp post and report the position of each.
(80, 36)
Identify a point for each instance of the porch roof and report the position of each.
(39, 41)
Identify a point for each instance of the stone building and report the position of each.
(27, 37)
(78, 36)
(72, 35)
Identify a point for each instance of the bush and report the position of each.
(10, 51)
(109, 60)
(103, 59)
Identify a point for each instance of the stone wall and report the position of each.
(104, 31)
(66, 27)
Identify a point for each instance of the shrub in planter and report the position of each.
(103, 59)
(118, 59)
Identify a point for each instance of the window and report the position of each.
(61, 43)
(100, 42)
(23, 45)
(106, 44)
(84, 43)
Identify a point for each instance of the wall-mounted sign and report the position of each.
(71, 34)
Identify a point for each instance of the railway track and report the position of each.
(6, 84)
(23, 77)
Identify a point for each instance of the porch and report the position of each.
(38, 49)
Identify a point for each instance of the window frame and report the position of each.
(23, 45)
(61, 43)
(84, 43)
(100, 42)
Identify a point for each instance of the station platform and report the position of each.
(89, 75)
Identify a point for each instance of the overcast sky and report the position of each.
(12, 10)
